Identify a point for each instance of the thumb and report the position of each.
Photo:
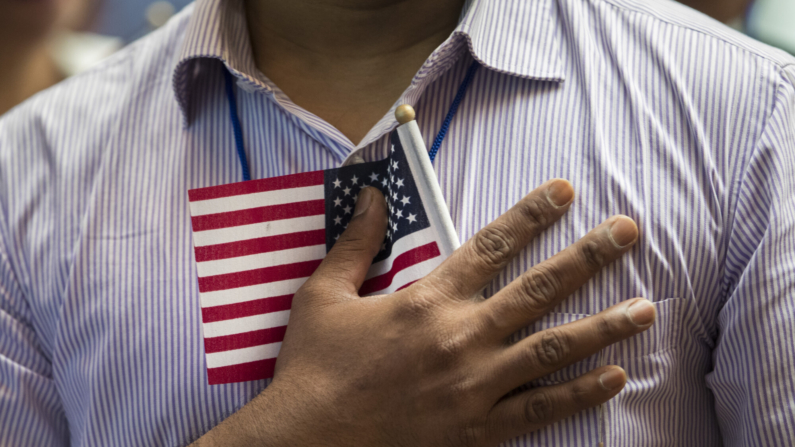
(346, 265)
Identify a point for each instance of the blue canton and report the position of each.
(393, 178)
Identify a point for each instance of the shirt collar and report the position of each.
(516, 37)
(216, 30)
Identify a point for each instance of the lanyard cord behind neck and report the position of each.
(437, 142)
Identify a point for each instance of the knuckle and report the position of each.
(416, 305)
(580, 395)
(420, 303)
(470, 433)
(538, 409)
(465, 390)
(539, 288)
(535, 212)
(449, 349)
(462, 388)
(592, 255)
(608, 328)
(494, 246)
(553, 348)
(489, 319)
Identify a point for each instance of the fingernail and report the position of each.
(623, 231)
(641, 312)
(613, 378)
(560, 193)
(364, 201)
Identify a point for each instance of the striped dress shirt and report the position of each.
(649, 108)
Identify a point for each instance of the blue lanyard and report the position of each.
(437, 143)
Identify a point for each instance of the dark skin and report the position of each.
(429, 365)
(347, 61)
(26, 29)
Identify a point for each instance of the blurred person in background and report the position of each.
(767, 20)
(727, 11)
(45, 41)
(771, 21)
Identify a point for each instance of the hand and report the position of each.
(431, 365)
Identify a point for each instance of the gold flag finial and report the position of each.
(404, 114)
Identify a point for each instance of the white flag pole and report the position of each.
(425, 177)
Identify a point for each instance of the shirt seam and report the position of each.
(742, 180)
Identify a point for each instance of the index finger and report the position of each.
(483, 257)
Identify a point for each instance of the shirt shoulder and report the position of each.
(671, 57)
(62, 132)
(686, 19)
(54, 145)
(94, 98)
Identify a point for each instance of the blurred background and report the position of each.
(129, 19)
(45, 41)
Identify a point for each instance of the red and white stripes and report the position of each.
(255, 244)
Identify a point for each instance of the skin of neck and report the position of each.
(347, 61)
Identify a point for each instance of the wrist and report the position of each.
(267, 420)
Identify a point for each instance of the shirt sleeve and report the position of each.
(753, 377)
(30, 408)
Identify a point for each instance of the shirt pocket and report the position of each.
(669, 331)
(665, 366)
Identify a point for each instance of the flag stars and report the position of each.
(390, 183)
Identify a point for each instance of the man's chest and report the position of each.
(132, 348)
(137, 313)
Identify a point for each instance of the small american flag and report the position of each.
(257, 242)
